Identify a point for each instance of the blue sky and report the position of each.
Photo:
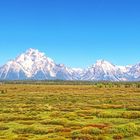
(73, 32)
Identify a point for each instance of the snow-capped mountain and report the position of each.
(134, 73)
(102, 70)
(36, 65)
(105, 71)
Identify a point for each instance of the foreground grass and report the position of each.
(59, 112)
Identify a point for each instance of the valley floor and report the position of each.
(59, 112)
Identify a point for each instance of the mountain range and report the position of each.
(35, 65)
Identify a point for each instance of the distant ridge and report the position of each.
(35, 65)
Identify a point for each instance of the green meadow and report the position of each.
(70, 111)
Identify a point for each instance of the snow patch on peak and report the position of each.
(34, 53)
(104, 66)
(103, 62)
(31, 50)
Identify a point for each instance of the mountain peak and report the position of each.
(102, 61)
(34, 52)
(31, 55)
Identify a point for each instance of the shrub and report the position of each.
(71, 116)
(3, 91)
(118, 137)
(27, 122)
(135, 108)
(20, 138)
(2, 127)
(79, 136)
(105, 114)
(126, 130)
(131, 115)
(91, 130)
(103, 138)
(75, 133)
(58, 129)
(99, 85)
(138, 85)
(55, 122)
(38, 131)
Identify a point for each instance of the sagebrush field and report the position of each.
(101, 111)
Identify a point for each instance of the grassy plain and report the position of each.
(65, 112)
